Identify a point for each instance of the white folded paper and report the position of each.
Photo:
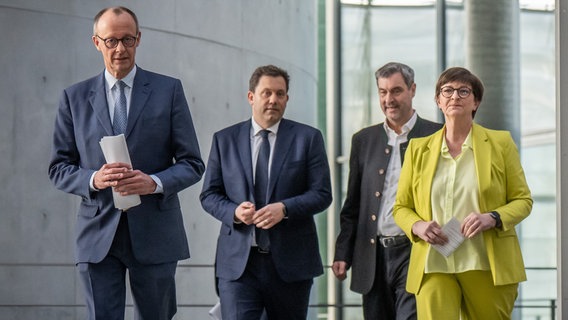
(452, 230)
(215, 312)
(115, 150)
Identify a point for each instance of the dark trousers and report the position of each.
(260, 288)
(388, 298)
(152, 286)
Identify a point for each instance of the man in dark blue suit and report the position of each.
(148, 239)
(267, 251)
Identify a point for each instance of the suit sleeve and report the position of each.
(349, 216)
(188, 167)
(213, 196)
(518, 196)
(64, 168)
(317, 195)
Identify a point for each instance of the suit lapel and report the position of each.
(429, 164)
(99, 104)
(140, 93)
(283, 145)
(378, 140)
(482, 156)
(244, 148)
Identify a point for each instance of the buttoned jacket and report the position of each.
(502, 188)
(299, 178)
(368, 163)
(161, 141)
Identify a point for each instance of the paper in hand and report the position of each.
(115, 150)
(452, 230)
(215, 312)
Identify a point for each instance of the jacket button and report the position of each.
(377, 194)
(381, 171)
(373, 217)
(372, 240)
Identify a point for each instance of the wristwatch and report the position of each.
(495, 215)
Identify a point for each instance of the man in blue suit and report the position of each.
(267, 250)
(148, 239)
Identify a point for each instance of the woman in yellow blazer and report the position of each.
(471, 174)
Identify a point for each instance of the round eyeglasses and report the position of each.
(448, 92)
(111, 43)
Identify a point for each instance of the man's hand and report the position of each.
(244, 212)
(339, 269)
(135, 182)
(429, 231)
(269, 215)
(109, 175)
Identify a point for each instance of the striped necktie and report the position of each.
(120, 119)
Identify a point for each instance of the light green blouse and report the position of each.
(455, 194)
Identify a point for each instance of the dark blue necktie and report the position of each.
(261, 186)
(120, 119)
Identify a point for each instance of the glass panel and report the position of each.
(372, 36)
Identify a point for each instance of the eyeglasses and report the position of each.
(448, 92)
(111, 43)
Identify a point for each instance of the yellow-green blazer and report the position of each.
(502, 188)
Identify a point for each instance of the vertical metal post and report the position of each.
(441, 34)
(441, 40)
(562, 154)
(333, 132)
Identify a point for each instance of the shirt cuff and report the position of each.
(159, 185)
(92, 182)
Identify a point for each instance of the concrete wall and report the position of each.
(211, 45)
(493, 54)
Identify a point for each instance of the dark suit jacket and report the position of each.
(161, 141)
(299, 178)
(370, 155)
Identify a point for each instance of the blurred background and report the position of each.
(331, 49)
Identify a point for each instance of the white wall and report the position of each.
(211, 45)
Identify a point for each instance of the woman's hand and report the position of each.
(475, 223)
(429, 231)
